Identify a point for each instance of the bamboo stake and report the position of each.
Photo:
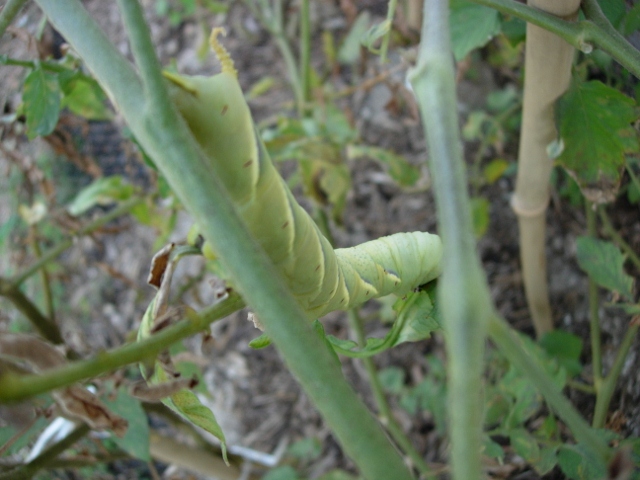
(548, 61)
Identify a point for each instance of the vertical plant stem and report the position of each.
(608, 387)
(548, 61)
(386, 415)
(462, 288)
(594, 305)
(384, 47)
(9, 12)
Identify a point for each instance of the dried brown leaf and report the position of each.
(78, 403)
(31, 349)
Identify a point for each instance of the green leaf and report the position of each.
(41, 99)
(136, 440)
(349, 51)
(578, 464)
(594, 124)
(472, 26)
(376, 32)
(566, 348)
(398, 168)
(614, 10)
(495, 169)
(102, 191)
(480, 215)
(392, 379)
(525, 445)
(492, 449)
(260, 342)
(187, 404)
(84, 97)
(547, 460)
(337, 475)
(285, 472)
(307, 449)
(603, 262)
(418, 316)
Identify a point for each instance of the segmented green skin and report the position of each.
(323, 279)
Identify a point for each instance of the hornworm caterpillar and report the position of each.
(323, 279)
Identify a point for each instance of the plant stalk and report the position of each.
(463, 292)
(594, 304)
(548, 60)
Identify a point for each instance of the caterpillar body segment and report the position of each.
(321, 278)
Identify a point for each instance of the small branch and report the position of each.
(9, 12)
(603, 399)
(14, 388)
(92, 226)
(596, 30)
(386, 415)
(51, 66)
(47, 328)
(613, 234)
(384, 47)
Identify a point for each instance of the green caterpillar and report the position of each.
(322, 279)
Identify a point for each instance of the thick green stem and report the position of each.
(584, 35)
(14, 388)
(608, 387)
(9, 12)
(463, 292)
(166, 138)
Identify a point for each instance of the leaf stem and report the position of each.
(594, 305)
(608, 386)
(595, 30)
(14, 388)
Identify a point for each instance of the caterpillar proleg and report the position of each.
(321, 278)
